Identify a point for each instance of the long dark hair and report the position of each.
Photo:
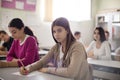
(63, 22)
(18, 23)
(101, 33)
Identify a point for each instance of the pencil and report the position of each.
(22, 64)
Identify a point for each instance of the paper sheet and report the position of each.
(29, 75)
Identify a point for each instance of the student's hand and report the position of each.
(14, 60)
(23, 71)
(90, 55)
(43, 70)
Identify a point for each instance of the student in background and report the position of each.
(100, 47)
(7, 42)
(24, 49)
(67, 56)
(77, 36)
(107, 34)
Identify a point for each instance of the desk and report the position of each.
(42, 53)
(105, 70)
(8, 74)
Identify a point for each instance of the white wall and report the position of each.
(108, 4)
(43, 29)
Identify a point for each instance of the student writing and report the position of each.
(4, 48)
(24, 47)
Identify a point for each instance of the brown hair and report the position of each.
(63, 22)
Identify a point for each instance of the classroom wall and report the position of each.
(108, 4)
(43, 29)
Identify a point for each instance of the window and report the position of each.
(73, 10)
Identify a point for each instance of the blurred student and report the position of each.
(107, 34)
(5, 47)
(100, 47)
(77, 36)
(24, 49)
(67, 56)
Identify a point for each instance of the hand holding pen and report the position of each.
(23, 70)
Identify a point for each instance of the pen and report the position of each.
(22, 64)
(26, 71)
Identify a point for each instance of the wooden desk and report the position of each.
(105, 70)
(10, 74)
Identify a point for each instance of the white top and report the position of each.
(103, 53)
(60, 57)
(21, 43)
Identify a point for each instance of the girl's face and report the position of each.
(59, 33)
(4, 37)
(96, 35)
(16, 33)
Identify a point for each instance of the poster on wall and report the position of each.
(28, 5)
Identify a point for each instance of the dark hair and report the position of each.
(28, 31)
(63, 22)
(77, 33)
(101, 33)
(18, 23)
(3, 32)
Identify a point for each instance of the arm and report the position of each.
(2, 48)
(90, 47)
(77, 58)
(89, 50)
(39, 64)
(3, 52)
(107, 55)
(11, 53)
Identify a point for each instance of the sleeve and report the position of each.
(90, 47)
(4, 44)
(30, 53)
(77, 59)
(39, 64)
(11, 53)
(107, 51)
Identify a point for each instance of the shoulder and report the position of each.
(57, 45)
(105, 42)
(76, 44)
(93, 42)
(30, 38)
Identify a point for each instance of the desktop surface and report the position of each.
(13, 74)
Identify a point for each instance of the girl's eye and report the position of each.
(53, 31)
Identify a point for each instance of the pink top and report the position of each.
(27, 51)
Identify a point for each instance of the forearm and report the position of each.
(4, 64)
(3, 52)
